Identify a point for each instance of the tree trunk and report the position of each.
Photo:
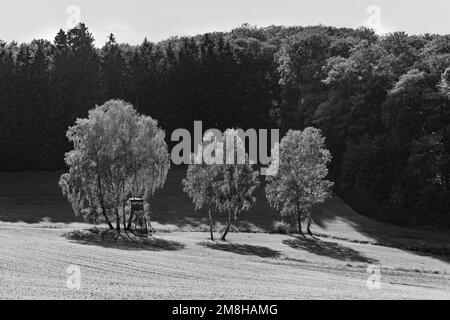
(299, 218)
(102, 204)
(211, 229)
(309, 224)
(124, 216)
(117, 220)
(130, 221)
(107, 219)
(224, 236)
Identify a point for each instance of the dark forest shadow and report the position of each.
(423, 242)
(328, 249)
(242, 249)
(171, 206)
(123, 242)
(34, 197)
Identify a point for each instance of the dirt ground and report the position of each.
(35, 261)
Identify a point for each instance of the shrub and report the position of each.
(281, 227)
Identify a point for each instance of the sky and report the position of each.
(132, 20)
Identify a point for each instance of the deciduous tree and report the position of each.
(300, 182)
(117, 154)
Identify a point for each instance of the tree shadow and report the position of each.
(242, 249)
(329, 249)
(124, 242)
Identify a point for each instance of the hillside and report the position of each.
(36, 200)
(36, 249)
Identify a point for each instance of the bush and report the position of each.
(281, 227)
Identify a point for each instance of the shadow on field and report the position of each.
(328, 249)
(124, 242)
(243, 249)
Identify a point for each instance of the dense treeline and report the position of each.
(382, 102)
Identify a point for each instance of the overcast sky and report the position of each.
(132, 20)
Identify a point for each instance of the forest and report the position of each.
(382, 102)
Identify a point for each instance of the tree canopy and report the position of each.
(301, 179)
(222, 182)
(118, 154)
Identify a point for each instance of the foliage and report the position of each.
(300, 182)
(366, 93)
(281, 227)
(226, 186)
(200, 185)
(117, 154)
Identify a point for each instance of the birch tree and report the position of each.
(300, 182)
(225, 181)
(117, 154)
